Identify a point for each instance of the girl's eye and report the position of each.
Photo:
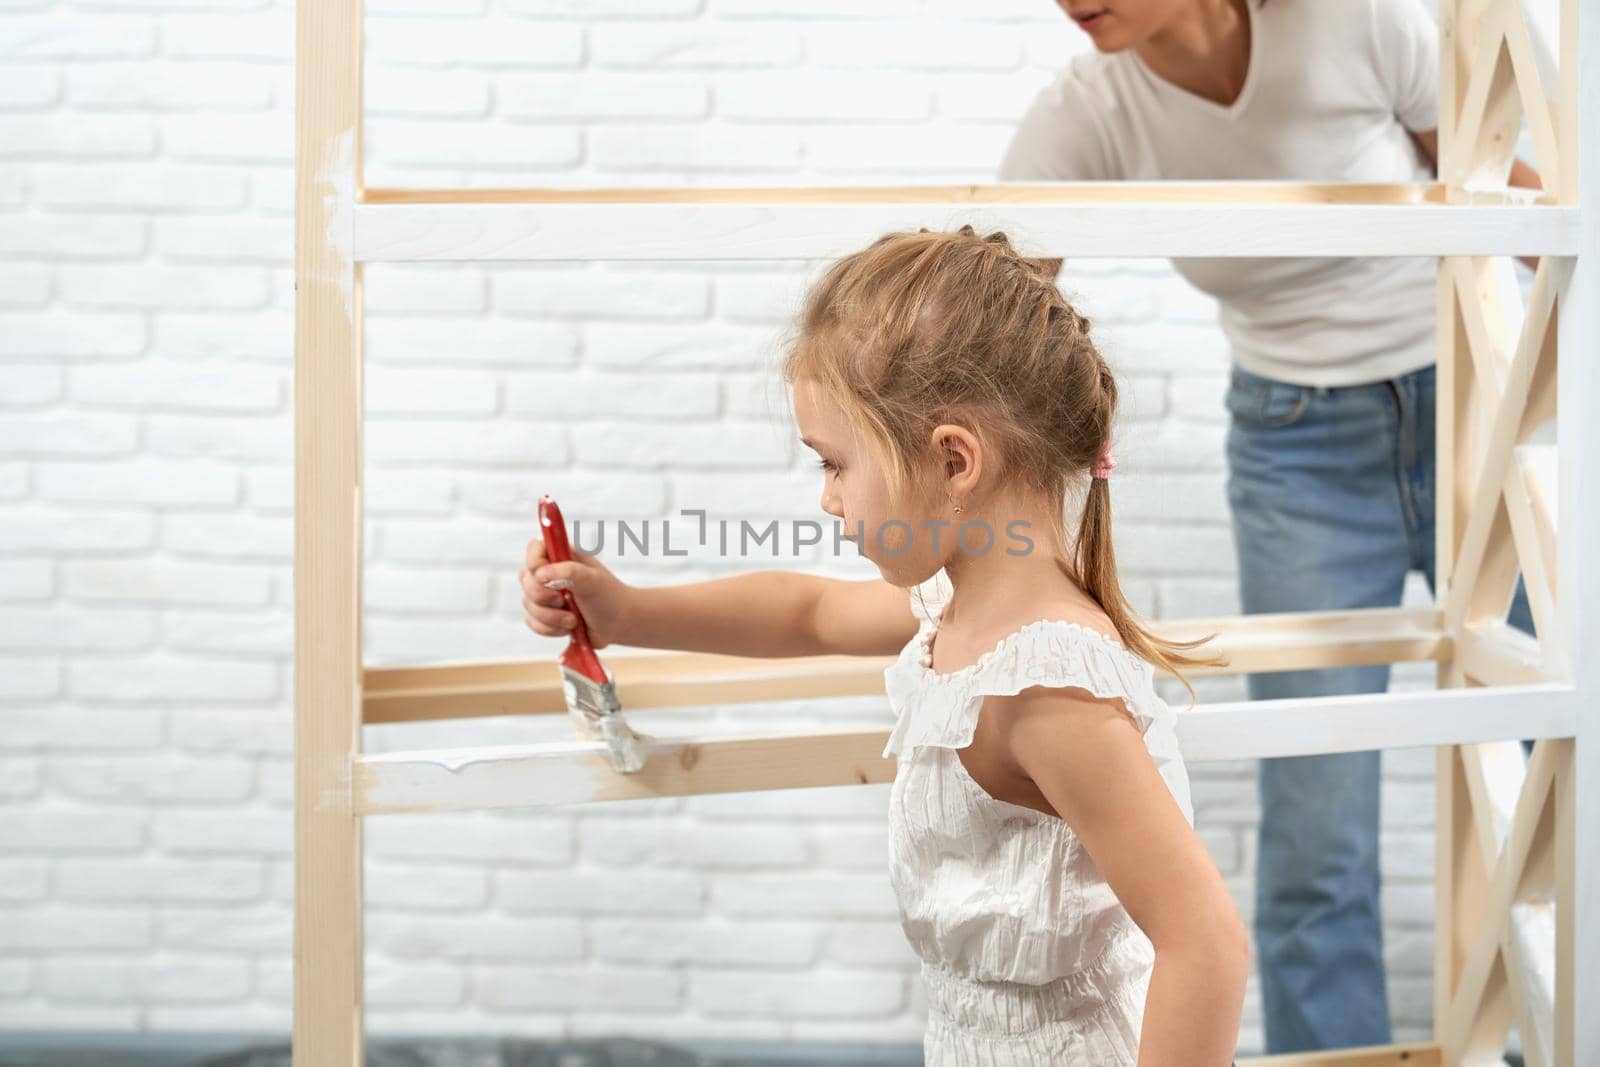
(827, 465)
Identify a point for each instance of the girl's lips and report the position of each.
(1090, 20)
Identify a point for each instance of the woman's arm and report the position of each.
(1088, 758)
(1522, 175)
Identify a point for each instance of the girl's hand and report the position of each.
(604, 599)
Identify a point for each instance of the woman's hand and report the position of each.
(605, 600)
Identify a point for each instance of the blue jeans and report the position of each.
(1332, 495)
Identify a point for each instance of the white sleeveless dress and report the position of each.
(1028, 956)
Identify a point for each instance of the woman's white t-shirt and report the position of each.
(1331, 90)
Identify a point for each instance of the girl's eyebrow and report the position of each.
(811, 444)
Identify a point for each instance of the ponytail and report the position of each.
(1094, 568)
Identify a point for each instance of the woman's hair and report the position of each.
(926, 328)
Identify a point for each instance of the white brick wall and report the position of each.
(145, 446)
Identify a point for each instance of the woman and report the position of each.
(1331, 397)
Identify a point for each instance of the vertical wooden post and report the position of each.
(1463, 389)
(328, 1029)
(1577, 1031)
(1456, 892)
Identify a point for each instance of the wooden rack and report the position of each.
(1507, 828)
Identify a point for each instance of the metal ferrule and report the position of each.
(597, 714)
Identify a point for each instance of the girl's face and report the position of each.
(1115, 25)
(856, 492)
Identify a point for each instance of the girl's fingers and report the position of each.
(549, 623)
(546, 599)
(536, 592)
(543, 608)
(553, 613)
(535, 554)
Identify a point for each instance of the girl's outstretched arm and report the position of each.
(763, 613)
(776, 613)
(1088, 758)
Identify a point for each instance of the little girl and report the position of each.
(1041, 843)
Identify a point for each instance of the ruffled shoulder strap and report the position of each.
(942, 709)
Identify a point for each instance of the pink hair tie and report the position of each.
(1106, 463)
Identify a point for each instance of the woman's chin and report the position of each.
(1108, 45)
(1108, 39)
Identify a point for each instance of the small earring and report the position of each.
(957, 506)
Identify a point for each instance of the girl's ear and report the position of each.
(954, 461)
(959, 456)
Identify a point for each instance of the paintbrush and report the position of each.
(590, 690)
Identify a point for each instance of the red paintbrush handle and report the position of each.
(554, 530)
(579, 655)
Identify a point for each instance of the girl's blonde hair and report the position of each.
(926, 328)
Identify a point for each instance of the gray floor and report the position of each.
(55, 1049)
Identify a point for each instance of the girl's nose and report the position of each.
(831, 505)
